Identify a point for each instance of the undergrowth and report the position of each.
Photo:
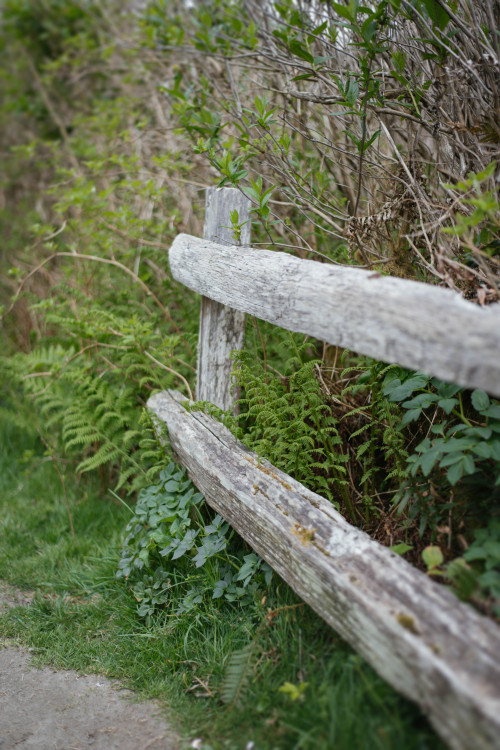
(113, 125)
(173, 541)
(412, 460)
(303, 686)
(93, 323)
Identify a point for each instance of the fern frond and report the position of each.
(106, 453)
(83, 440)
(237, 674)
(367, 475)
(125, 475)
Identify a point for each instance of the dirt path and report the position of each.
(41, 709)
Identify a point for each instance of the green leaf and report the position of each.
(451, 459)
(447, 404)
(432, 557)
(422, 401)
(458, 444)
(469, 464)
(493, 412)
(398, 391)
(399, 59)
(429, 459)
(219, 588)
(171, 486)
(445, 390)
(369, 142)
(483, 450)
(491, 579)
(185, 544)
(349, 12)
(351, 94)
(319, 29)
(455, 473)
(463, 577)
(237, 674)
(480, 400)
(401, 548)
(369, 29)
(437, 14)
(297, 49)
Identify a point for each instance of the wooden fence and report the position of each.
(434, 649)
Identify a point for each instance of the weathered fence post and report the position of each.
(222, 329)
(431, 647)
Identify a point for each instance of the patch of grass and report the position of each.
(83, 619)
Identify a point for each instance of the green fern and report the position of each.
(237, 674)
(96, 416)
(286, 420)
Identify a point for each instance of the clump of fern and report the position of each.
(284, 418)
(86, 393)
(333, 429)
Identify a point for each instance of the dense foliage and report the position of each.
(362, 135)
(169, 540)
(287, 678)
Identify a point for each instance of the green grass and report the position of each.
(81, 618)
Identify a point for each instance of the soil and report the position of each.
(44, 709)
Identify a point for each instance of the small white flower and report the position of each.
(196, 743)
(250, 745)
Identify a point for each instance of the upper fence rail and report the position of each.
(405, 322)
(420, 638)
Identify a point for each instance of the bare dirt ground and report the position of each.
(41, 709)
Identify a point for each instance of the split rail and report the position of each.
(431, 647)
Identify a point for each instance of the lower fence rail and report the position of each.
(428, 645)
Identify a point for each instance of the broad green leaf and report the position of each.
(455, 473)
(398, 391)
(429, 459)
(432, 557)
(422, 401)
(447, 404)
(469, 464)
(480, 400)
(492, 412)
(451, 459)
(483, 450)
(369, 29)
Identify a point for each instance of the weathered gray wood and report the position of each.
(413, 324)
(222, 329)
(417, 635)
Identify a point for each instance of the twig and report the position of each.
(109, 262)
(174, 372)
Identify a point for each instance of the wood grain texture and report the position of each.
(222, 329)
(417, 635)
(396, 320)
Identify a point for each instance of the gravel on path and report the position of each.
(47, 710)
